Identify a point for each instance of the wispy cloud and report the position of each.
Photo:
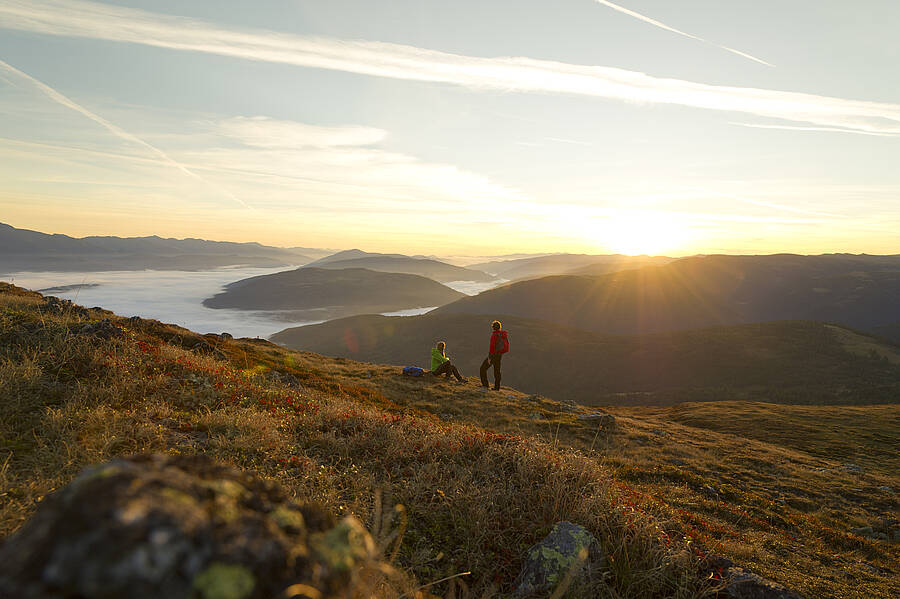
(100, 21)
(656, 23)
(340, 166)
(828, 129)
(114, 129)
(265, 133)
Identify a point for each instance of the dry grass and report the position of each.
(771, 486)
(475, 499)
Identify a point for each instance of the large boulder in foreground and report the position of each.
(178, 527)
(568, 548)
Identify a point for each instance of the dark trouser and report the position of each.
(491, 360)
(447, 368)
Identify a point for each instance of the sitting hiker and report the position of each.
(440, 363)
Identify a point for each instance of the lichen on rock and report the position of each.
(178, 527)
(568, 548)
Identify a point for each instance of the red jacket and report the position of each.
(499, 342)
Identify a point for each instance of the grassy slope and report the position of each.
(761, 483)
(475, 499)
(480, 483)
(783, 362)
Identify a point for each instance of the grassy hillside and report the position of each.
(481, 475)
(783, 362)
(858, 291)
(325, 293)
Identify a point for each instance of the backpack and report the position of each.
(502, 345)
(413, 371)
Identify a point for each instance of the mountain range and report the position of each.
(22, 249)
(856, 290)
(557, 264)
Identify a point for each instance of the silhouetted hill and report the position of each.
(859, 291)
(557, 264)
(323, 293)
(21, 249)
(425, 267)
(784, 362)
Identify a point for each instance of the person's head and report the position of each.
(495, 325)
(441, 345)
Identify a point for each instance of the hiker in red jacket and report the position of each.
(499, 346)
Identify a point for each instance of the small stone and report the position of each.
(863, 531)
(708, 490)
(547, 563)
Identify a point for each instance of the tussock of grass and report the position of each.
(475, 499)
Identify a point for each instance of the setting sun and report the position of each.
(642, 233)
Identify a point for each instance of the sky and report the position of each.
(457, 128)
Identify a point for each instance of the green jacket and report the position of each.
(437, 359)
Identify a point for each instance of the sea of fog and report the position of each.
(177, 296)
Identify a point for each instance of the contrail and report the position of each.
(647, 19)
(91, 20)
(114, 129)
(829, 129)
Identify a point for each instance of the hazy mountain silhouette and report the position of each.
(22, 249)
(784, 362)
(861, 291)
(425, 267)
(557, 264)
(323, 293)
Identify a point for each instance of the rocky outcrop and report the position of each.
(103, 329)
(179, 527)
(568, 548)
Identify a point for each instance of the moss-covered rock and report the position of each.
(178, 527)
(568, 547)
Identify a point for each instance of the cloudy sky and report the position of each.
(466, 127)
